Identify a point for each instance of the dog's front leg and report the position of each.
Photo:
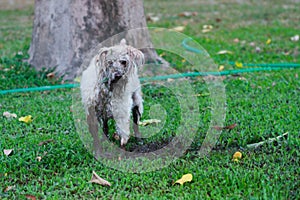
(123, 130)
(121, 115)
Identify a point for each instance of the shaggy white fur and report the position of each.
(110, 87)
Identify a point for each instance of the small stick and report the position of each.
(270, 140)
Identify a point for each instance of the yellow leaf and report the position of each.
(268, 41)
(27, 119)
(185, 178)
(221, 67)
(237, 156)
(77, 79)
(162, 54)
(238, 64)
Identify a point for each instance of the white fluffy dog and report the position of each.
(110, 89)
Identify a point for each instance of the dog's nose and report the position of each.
(118, 74)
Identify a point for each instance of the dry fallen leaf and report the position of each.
(149, 121)
(207, 28)
(295, 38)
(97, 179)
(27, 119)
(185, 178)
(116, 136)
(187, 14)
(218, 20)
(268, 41)
(39, 158)
(9, 115)
(152, 18)
(224, 52)
(221, 67)
(257, 49)
(178, 28)
(230, 127)
(9, 188)
(252, 44)
(51, 75)
(29, 196)
(8, 152)
(236, 40)
(45, 142)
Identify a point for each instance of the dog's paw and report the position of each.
(124, 141)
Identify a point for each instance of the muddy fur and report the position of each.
(110, 87)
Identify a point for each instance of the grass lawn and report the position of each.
(263, 105)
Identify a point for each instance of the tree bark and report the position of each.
(64, 31)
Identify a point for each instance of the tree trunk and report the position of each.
(64, 31)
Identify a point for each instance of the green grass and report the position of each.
(263, 105)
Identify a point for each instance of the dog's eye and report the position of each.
(109, 62)
(123, 62)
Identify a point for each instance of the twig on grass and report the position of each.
(269, 140)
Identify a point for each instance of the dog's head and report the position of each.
(119, 61)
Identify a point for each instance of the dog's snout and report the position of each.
(118, 74)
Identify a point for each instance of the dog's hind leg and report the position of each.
(136, 118)
(137, 111)
(105, 127)
(93, 129)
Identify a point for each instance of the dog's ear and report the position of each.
(100, 57)
(103, 52)
(137, 56)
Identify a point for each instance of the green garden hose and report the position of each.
(260, 67)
